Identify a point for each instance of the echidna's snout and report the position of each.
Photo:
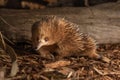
(41, 43)
(38, 47)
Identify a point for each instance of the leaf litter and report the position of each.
(33, 67)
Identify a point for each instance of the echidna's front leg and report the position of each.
(45, 54)
(62, 54)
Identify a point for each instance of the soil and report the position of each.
(32, 66)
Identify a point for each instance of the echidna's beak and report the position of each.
(39, 46)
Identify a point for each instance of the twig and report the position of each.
(6, 22)
(43, 77)
(70, 74)
(3, 37)
(8, 40)
(98, 71)
(2, 43)
(106, 73)
(8, 25)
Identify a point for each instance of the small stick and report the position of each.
(106, 73)
(6, 22)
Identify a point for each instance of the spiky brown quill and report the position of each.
(56, 35)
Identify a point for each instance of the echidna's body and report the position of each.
(56, 35)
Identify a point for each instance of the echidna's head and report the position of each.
(44, 39)
(42, 36)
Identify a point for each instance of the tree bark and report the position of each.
(102, 22)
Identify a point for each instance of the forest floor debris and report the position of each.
(32, 67)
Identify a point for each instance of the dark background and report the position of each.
(17, 4)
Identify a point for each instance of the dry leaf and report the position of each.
(14, 68)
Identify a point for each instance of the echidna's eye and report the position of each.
(46, 39)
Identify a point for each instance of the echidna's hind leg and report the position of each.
(93, 54)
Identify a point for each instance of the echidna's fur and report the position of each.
(65, 38)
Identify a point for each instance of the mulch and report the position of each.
(33, 67)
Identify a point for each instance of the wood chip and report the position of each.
(105, 59)
(98, 71)
(103, 73)
(2, 75)
(57, 64)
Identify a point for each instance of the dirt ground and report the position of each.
(32, 67)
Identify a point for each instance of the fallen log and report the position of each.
(101, 22)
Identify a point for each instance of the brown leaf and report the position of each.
(14, 68)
